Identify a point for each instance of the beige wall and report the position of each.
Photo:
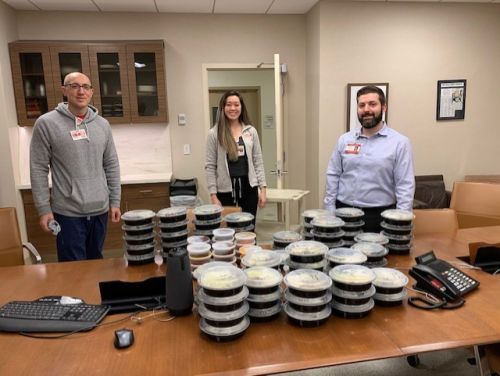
(411, 46)
(192, 40)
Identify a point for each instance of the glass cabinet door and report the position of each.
(111, 89)
(33, 88)
(147, 82)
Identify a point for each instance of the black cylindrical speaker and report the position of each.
(179, 289)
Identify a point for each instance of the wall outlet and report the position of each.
(187, 149)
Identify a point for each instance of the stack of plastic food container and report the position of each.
(173, 228)
(342, 256)
(244, 239)
(224, 251)
(352, 291)
(390, 286)
(308, 216)
(240, 221)
(198, 239)
(139, 236)
(353, 223)
(328, 230)
(264, 297)
(374, 252)
(207, 219)
(371, 237)
(199, 254)
(307, 254)
(223, 235)
(261, 257)
(183, 200)
(307, 297)
(282, 239)
(397, 226)
(222, 302)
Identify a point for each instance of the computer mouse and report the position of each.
(124, 338)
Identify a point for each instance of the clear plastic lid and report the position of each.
(223, 316)
(307, 280)
(346, 256)
(308, 302)
(397, 237)
(399, 247)
(223, 246)
(261, 258)
(389, 278)
(354, 294)
(208, 209)
(147, 226)
(262, 277)
(265, 312)
(198, 239)
(248, 248)
(371, 237)
(328, 221)
(239, 217)
(390, 297)
(138, 215)
(371, 249)
(147, 256)
(264, 298)
(151, 235)
(207, 222)
(392, 227)
(307, 316)
(163, 225)
(307, 265)
(332, 236)
(221, 300)
(202, 268)
(313, 213)
(224, 233)
(350, 225)
(306, 248)
(285, 256)
(224, 331)
(140, 247)
(198, 249)
(180, 243)
(352, 274)
(397, 215)
(173, 211)
(287, 236)
(348, 308)
(167, 235)
(223, 277)
(245, 236)
(349, 212)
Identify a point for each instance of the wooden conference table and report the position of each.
(177, 347)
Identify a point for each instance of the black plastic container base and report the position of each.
(383, 303)
(350, 315)
(307, 323)
(224, 338)
(259, 319)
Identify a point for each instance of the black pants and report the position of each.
(372, 216)
(243, 195)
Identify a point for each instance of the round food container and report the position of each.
(248, 248)
(209, 225)
(327, 224)
(202, 268)
(307, 283)
(354, 294)
(352, 311)
(349, 214)
(281, 239)
(224, 280)
(198, 239)
(168, 246)
(223, 234)
(138, 217)
(198, 249)
(262, 280)
(398, 239)
(396, 230)
(143, 259)
(326, 237)
(172, 215)
(309, 215)
(399, 249)
(226, 258)
(389, 281)
(339, 256)
(167, 228)
(224, 334)
(142, 249)
(173, 237)
(262, 298)
(352, 277)
(371, 237)
(245, 237)
(306, 251)
(138, 230)
(308, 302)
(389, 300)
(222, 304)
(188, 201)
(223, 319)
(374, 252)
(397, 217)
(208, 212)
(239, 219)
(309, 319)
(265, 314)
(261, 258)
(139, 239)
(199, 260)
(320, 265)
(223, 248)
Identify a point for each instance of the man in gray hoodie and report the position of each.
(76, 145)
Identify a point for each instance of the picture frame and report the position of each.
(352, 103)
(451, 99)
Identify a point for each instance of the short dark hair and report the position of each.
(371, 89)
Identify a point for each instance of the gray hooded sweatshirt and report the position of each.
(85, 172)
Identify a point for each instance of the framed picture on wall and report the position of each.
(451, 99)
(352, 110)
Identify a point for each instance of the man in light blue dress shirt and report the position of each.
(372, 166)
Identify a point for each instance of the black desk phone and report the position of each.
(442, 280)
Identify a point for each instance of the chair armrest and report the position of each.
(33, 252)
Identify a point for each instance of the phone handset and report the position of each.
(428, 279)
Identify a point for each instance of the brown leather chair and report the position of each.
(11, 245)
(434, 221)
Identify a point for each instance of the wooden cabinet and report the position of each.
(128, 78)
(153, 196)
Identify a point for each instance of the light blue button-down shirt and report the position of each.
(371, 171)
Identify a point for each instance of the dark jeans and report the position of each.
(372, 216)
(243, 195)
(81, 238)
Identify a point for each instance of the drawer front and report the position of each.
(132, 191)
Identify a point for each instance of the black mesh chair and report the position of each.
(431, 193)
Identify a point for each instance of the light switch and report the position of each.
(181, 119)
(187, 149)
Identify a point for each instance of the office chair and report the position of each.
(434, 221)
(11, 245)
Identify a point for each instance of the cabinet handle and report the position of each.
(146, 191)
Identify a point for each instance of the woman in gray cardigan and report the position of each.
(234, 165)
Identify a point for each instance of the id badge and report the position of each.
(352, 148)
(241, 150)
(79, 134)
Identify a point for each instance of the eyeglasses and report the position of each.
(76, 87)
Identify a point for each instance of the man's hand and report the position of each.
(115, 214)
(44, 221)
(214, 200)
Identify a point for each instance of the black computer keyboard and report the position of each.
(48, 315)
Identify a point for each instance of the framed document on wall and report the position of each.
(451, 99)
(352, 111)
